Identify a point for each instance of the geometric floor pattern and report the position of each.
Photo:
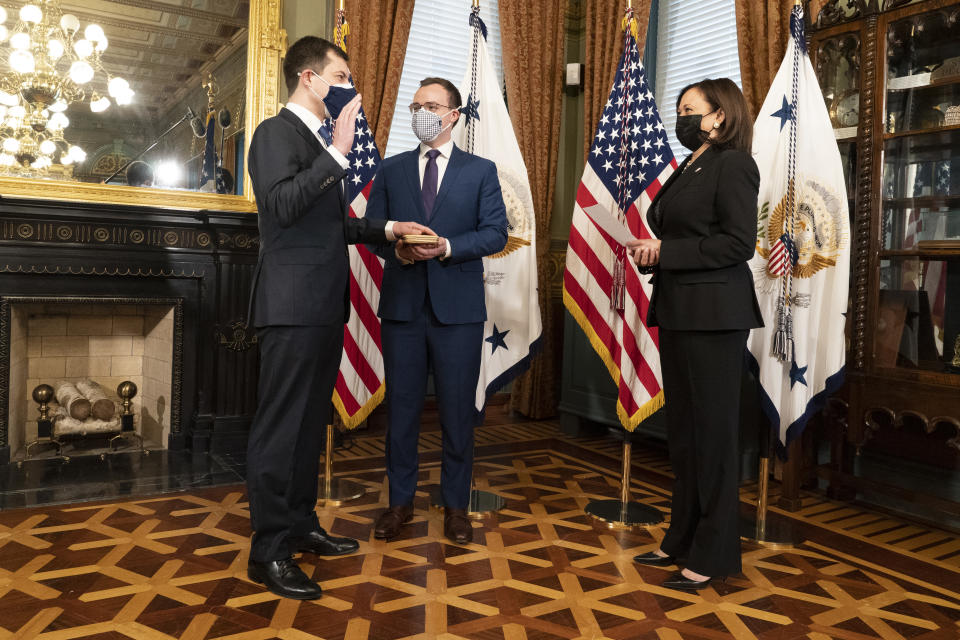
(174, 566)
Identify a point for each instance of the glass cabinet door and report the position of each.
(918, 315)
(838, 70)
(923, 73)
(921, 192)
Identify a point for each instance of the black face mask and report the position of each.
(689, 132)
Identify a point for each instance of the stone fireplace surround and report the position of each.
(199, 263)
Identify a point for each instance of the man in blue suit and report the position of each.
(432, 301)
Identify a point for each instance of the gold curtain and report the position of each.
(604, 47)
(763, 29)
(532, 35)
(377, 45)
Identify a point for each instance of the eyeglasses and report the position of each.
(432, 107)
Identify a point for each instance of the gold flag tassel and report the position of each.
(630, 22)
(618, 294)
(342, 29)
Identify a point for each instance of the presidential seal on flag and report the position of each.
(819, 230)
(519, 203)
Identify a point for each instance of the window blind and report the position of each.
(439, 45)
(696, 39)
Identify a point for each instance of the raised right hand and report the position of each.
(346, 126)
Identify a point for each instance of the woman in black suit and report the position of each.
(703, 301)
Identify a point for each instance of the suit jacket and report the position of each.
(302, 272)
(706, 219)
(468, 211)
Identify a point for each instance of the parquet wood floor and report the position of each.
(174, 566)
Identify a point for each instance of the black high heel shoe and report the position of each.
(682, 583)
(652, 559)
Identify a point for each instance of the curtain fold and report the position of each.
(532, 36)
(377, 46)
(763, 30)
(604, 39)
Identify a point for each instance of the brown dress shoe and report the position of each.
(457, 527)
(389, 523)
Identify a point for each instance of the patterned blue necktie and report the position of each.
(428, 191)
(325, 134)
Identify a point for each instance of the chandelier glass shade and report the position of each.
(46, 65)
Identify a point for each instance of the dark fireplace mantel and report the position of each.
(205, 260)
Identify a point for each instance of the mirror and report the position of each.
(135, 103)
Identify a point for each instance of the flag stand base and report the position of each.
(335, 491)
(759, 528)
(622, 514)
(482, 503)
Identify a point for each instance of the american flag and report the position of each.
(629, 160)
(359, 387)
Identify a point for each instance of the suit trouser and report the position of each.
(701, 383)
(298, 369)
(410, 349)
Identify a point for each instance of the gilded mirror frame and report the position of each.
(266, 44)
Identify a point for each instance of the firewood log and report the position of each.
(75, 403)
(102, 407)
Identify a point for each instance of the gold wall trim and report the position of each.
(266, 43)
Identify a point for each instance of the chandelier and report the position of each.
(48, 65)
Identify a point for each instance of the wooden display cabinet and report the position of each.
(890, 74)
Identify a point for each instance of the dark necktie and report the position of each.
(428, 190)
(325, 134)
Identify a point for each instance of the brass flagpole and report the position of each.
(622, 513)
(758, 528)
(336, 491)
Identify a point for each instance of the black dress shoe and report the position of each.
(322, 543)
(683, 583)
(284, 578)
(652, 559)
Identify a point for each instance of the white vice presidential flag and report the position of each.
(802, 263)
(512, 331)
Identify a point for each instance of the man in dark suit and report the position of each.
(300, 301)
(432, 302)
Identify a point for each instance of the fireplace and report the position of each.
(104, 340)
(113, 294)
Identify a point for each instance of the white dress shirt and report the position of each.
(314, 123)
(442, 160)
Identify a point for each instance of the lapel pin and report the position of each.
(697, 170)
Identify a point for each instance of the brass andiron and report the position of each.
(42, 395)
(127, 390)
